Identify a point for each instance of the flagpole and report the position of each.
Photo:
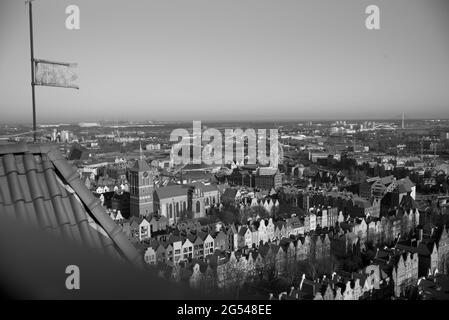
(32, 66)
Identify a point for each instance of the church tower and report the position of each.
(141, 187)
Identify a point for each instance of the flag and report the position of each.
(55, 74)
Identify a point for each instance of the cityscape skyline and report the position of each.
(141, 121)
(219, 150)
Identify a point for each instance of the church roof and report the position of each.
(205, 187)
(140, 166)
(404, 185)
(172, 191)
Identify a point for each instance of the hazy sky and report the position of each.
(229, 59)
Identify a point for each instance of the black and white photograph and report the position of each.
(245, 152)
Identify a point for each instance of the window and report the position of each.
(198, 206)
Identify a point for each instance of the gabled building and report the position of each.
(139, 228)
(244, 237)
(187, 249)
(150, 255)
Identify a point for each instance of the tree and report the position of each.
(186, 215)
(226, 216)
(259, 211)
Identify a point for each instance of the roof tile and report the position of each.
(39, 187)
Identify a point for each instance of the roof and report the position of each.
(196, 175)
(434, 287)
(200, 166)
(40, 188)
(78, 153)
(229, 193)
(140, 165)
(267, 171)
(408, 202)
(176, 190)
(242, 231)
(362, 203)
(384, 180)
(137, 220)
(404, 185)
(205, 187)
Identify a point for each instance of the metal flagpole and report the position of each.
(32, 65)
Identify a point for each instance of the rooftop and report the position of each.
(38, 187)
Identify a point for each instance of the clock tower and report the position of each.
(141, 187)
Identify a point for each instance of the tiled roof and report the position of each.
(172, 191)
(39, 187)
(140, 166)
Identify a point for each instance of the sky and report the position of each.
(228, 59)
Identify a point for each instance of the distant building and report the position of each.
(78, 153)
(153, 146)
(268, 178)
